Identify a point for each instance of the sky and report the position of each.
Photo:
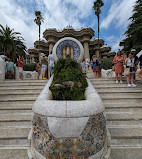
(19, 15)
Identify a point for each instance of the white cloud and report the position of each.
(114, 42)
(119, 14)
(57, 14)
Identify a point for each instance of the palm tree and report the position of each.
(97, 5)
(11, 43)
(38, 20)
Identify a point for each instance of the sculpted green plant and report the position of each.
(69, 82)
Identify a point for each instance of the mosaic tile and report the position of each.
(66, 43)
(90, 141)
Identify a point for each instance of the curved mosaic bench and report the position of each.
(69, 129)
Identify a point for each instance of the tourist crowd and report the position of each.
(123, 65)
(127, 66)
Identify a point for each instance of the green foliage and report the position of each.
(69, 82)
(29, 67)
(134, 32)
(98, 4)
(107, 63)
(11, 43)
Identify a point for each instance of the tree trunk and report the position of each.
(98, 28)
(39, 32)
(98, 32)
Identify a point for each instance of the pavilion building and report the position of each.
(84, 36)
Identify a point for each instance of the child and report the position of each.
(38, 68)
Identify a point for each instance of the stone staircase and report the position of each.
(16, 100)
(124, 117)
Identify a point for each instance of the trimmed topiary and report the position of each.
(107, 63)
(29, 67)
(69, 82)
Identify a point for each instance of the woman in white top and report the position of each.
(130, 64)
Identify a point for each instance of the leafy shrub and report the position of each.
(29, 67)
(69, 82)
(107, 63)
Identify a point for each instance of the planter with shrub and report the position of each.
(68, 119)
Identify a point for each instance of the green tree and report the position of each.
(97, 5)
(134, 32)
(38, 20)
(11, 43)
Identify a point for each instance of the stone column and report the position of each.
(86, 51)
(50, 47)
(97, 52)
(32, 58)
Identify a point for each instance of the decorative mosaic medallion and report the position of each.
(68, 48)
(91, 140)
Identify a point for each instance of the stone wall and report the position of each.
(2, 69)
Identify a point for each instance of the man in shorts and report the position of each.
(51, 63)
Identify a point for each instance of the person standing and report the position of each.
(10, 69)
(51, 63)
(20, 67)
(95, 66)
(43, 66)
(140, 71)
(38, 68)
(99, 67)
(130, 63)
(118, 64)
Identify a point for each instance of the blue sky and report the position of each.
(19, 14)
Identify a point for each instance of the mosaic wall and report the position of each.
(91, 140)
(68, 43)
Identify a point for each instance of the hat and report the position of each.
(133, 50)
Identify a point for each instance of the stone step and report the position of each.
(14, 132)
(126, 142)
(136, 109)
(9, 123)
(14, 152)
(104, 79)
(14, 142)
(21, 84)
(16, 117)
(126, 132)
(121, 96)
(16, 106)
(22, 88)
(20, 96)
(123, 116)
(119, 91)
(124, 123)
(112, 82)
(9, 111)
(25, 81)
(130, 152)
(17, 99)
(121, 101)
(19, 92)
(108, 85)
(122, 105)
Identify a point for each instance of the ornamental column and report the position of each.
(86, 51)
(97, 53)
(50, 47)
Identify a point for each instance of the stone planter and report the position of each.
(69, 129)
